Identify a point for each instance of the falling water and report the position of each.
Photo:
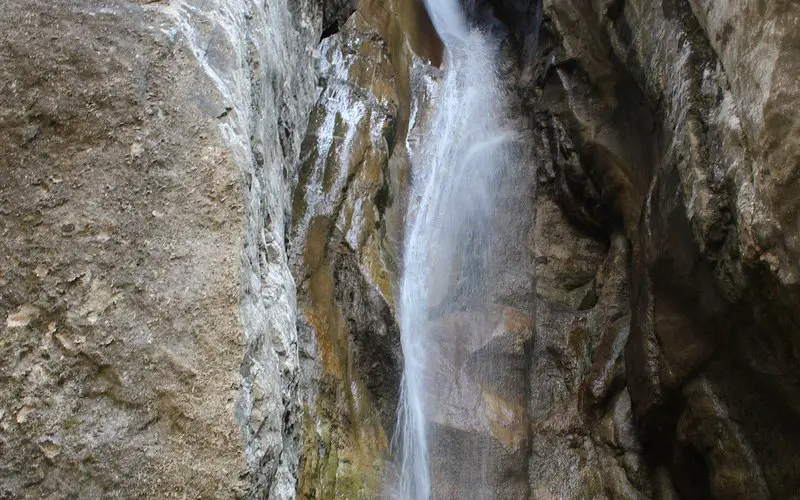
(456, 165)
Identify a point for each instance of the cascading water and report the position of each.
(456, 165)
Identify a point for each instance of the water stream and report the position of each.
(456, 162)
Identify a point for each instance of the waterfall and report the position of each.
(456, 163)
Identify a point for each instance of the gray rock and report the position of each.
(201, 207)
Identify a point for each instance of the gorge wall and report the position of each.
(202, 206)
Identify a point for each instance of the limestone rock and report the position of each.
(672, 113)
(344, 264)
(127, 131)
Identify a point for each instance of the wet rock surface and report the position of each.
(344, 257)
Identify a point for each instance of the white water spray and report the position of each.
(456, 165)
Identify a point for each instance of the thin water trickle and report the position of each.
(456, 163)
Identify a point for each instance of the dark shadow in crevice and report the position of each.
(329, 31)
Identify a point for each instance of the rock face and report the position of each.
(663, 130)
(202, 206)
(344, 267)
(121, 220)
(129, 133)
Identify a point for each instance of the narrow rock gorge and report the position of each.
(204, 218)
